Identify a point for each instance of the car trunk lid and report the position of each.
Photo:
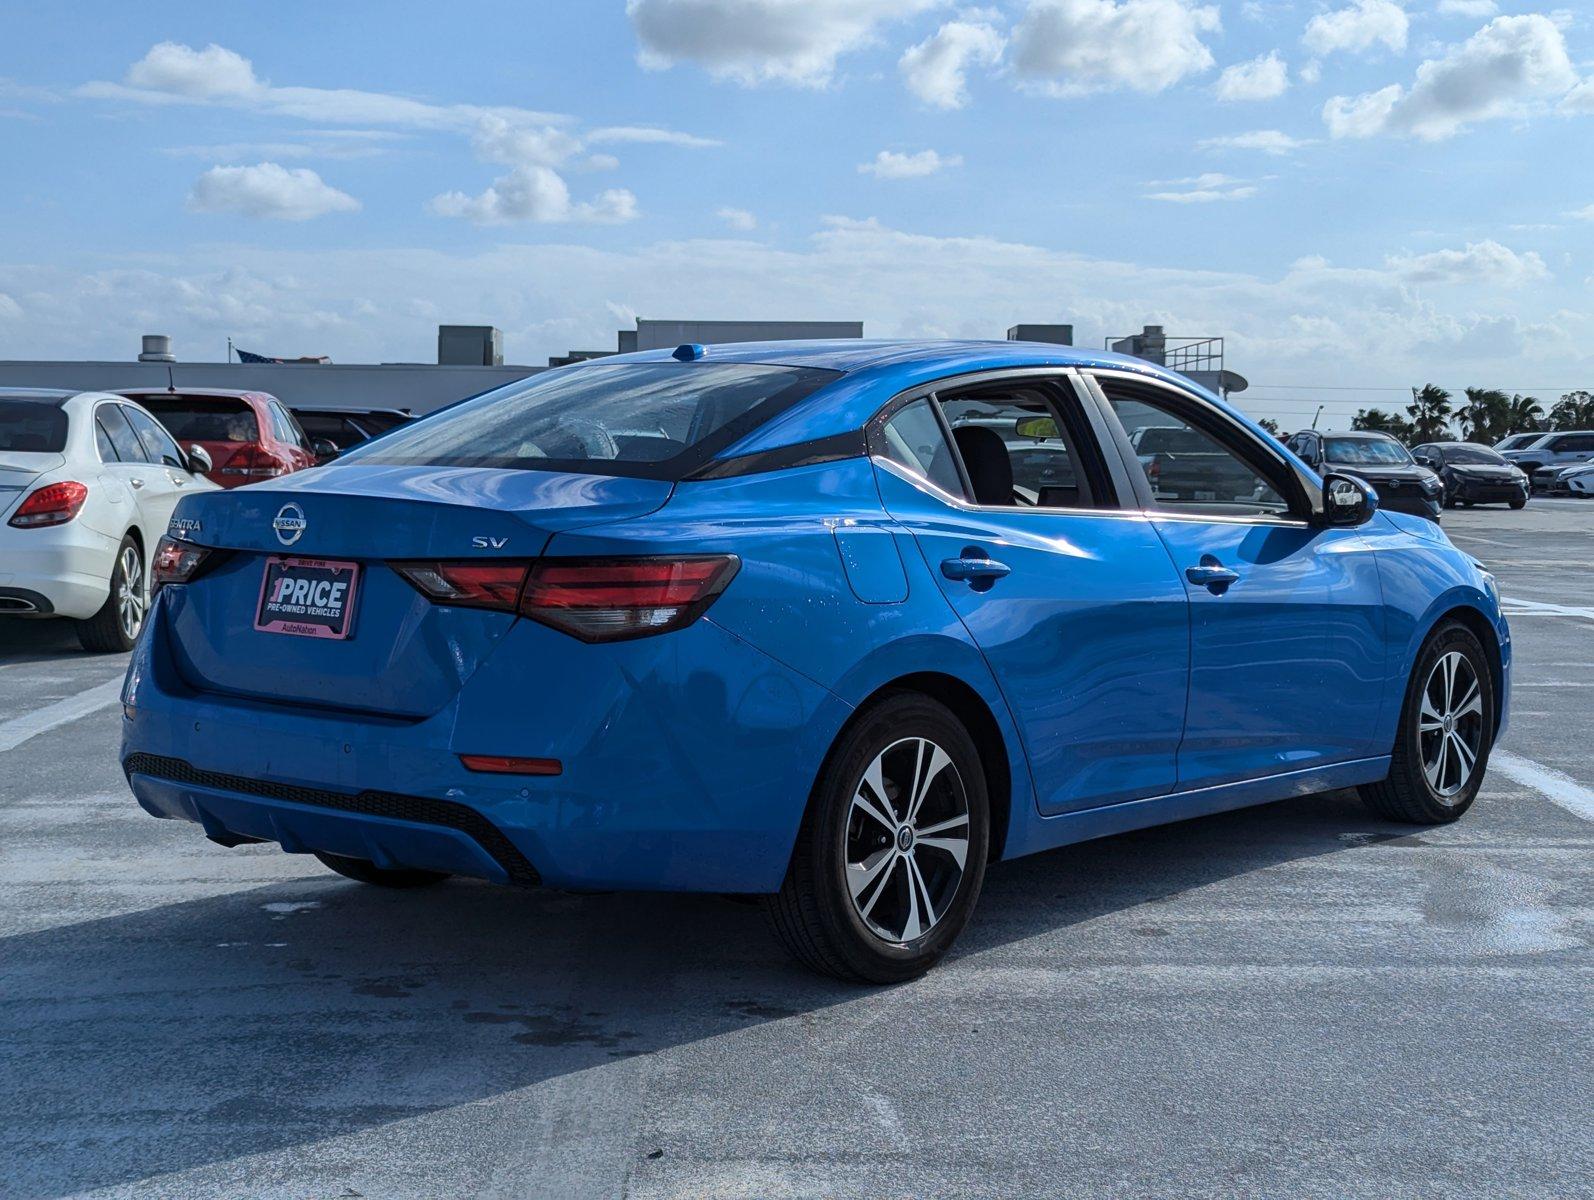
(405, 656)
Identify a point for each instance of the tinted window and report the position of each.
(158, 444)
(658, 420)
(128, 448)
(1578, 441)
(103, 443)
(1477, 455)
(287, 428)
(204, 418)
(1189, 469)
(341, 431)
(914, 439)
(32, 427)
(1365, 452)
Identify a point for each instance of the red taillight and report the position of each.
(254, 462)
(594, 599)
(467, 584)
(53, 504)
(175, 562)
(607, 599)
(501, 764)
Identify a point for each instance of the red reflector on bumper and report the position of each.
(499, 764)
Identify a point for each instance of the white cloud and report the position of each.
(1269, 141)
(1069, 47)
(534, 193)
(649, 135)
(936, 70)
(761, 41)
(1583, 214)
(1365, 24)
(1480, 262)
(1262, 78)
(213, 73)
(268, 190)
(1475, 9)
(1500, 71)
(1208, 188)
(888, 164)
(738, 219)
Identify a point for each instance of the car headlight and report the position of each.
(1432, 486)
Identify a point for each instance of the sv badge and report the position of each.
(488, 543)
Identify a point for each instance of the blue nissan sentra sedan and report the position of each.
(833, 623)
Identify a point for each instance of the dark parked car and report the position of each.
(1401, 483)
(1473, 474)
(1183, 465)
(345, 427)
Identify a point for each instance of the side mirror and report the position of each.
(199, 461)
(325, 450)
(1424, 460)
(1347, 501)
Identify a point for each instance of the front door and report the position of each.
(1286, 619)
(1073, 601)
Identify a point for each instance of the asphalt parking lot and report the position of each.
(1296, 1000)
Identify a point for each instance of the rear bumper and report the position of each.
(68, 567)
(687, 763)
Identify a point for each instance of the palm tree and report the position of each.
(1483, 417)
(1380, 421)
(1430, 413)
(1524, 414)
(1575, 410)
(1272, 426)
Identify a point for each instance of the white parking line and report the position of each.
(1515, 607)
(1551, 784)
(19, 729)
(1555, 683)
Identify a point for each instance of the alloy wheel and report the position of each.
(130, 600)
(907, 840)
(1450, 724)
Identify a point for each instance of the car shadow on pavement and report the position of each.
(207, 1030)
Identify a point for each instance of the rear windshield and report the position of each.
(204, 418)
(656, 420)
(32, 427)
(1367, 452)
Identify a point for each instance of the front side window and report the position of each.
(656, 420)
(32, 427)
(1366, 452)
(1188, 468)
(915, 440)
(1015, 450)
(158, 444)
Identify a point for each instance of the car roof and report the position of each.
(1369, 435)
(52, 396)
(196, 392)
(854, 354)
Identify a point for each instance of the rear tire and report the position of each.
(891, 854)
(364, 871)
(115, 628)
(1446, 732)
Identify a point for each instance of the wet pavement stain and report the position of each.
(759, 1008)
(553, 1029)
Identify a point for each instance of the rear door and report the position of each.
(1286, 619)
(1072, 599)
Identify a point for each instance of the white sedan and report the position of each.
(88, 482)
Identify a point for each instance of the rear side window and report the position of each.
(656, 420)
(128, 448)
(204, 418)
(915, 440)
(32, 427)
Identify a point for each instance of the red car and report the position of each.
(249, 435)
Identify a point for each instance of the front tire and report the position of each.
(116, 626)
(1522, 503)
(364, 871)
(1445, 735)
(891, 854)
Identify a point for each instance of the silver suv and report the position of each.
(1544, 458)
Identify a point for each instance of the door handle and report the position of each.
(975, 568)
(1212, 575)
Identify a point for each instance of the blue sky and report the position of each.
(1360, 195)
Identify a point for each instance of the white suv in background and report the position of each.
(88, 482)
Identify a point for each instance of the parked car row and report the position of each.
(88, 482)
